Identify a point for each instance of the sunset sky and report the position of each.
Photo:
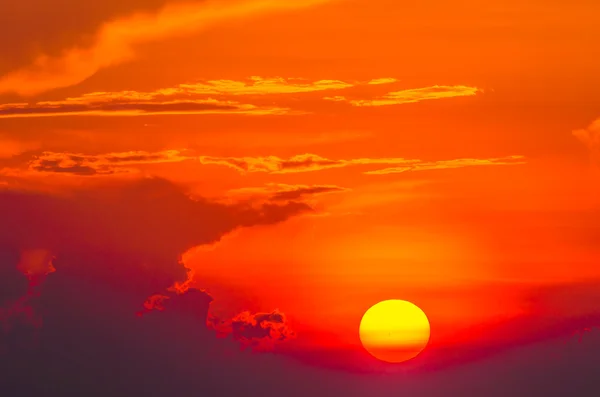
(226, 186)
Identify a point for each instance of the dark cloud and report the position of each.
(149, 224)
(100, 164)
(114, 246)
(259, 331)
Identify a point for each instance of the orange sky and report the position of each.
(448, 150)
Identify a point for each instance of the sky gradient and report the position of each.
(217, 190)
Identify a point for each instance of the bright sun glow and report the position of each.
(394, 331)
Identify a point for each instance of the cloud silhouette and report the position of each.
(258, 331)
(115, 245)
(149, 223)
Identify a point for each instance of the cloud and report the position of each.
(24, 32)
(259, 331)
(189, 98)
(590, 137)
(413, 95)
(148, 223)
(300, 163)
(109, 252)
(385, 80)
(115, 42)
(449, 164)
(263, 86)
(19, 315)
(337, 98)
(312, 162)
(284, 192)
(129, 103)
(101, 164)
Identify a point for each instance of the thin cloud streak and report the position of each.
(412, 95)
(385, 80)
(450, 164)
(116, 41)
(263, 86)
(284, 192)
(113, 105)
(102, 164)
(300, 163)
(312, 162)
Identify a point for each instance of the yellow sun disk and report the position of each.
(394, 331)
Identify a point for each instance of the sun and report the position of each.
(394, 331)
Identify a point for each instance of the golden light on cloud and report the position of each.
(413, 95)
(450, 164)
(394, 331)
(262, 86)
(200, 97)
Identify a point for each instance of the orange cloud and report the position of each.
(116, 41)
(102, 164)
(447, 164)
(591, 138)
(410, 95)
(312, 162)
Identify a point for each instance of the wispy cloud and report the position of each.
(385, 80)
(312, 162)
(201, 97)
(448, 164)
(103, 164)
(412, 95)
(116, 41)
(110, 104)
(262, 86)
(284, 192)
(300, 163)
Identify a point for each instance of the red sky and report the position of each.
(442, 153)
